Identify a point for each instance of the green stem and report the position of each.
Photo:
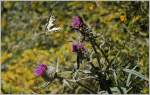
(93, 43)
(92, 65)
(90, 38)
(97, 57)
(103, 53)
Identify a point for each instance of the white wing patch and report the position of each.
(50, 25)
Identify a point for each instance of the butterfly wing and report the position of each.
(54, 29)
(50, 22)
(50, 25)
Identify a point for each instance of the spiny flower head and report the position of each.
(77, 22)
(78, 46)
(40, 70)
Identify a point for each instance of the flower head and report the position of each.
(77, 22)
(122, 18)
(40, 69)
(77, 46)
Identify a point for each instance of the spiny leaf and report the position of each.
(116, 90)
(129, 77)
(115, 77)
(66, 83)
(86, 71)
(136, 73)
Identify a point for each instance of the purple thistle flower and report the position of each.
(74, 47)
(40, 70)
(77, 22)
(77, 46)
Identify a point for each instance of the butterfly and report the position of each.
(50, 26)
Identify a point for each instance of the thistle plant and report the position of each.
(103, 72)
(75, 47)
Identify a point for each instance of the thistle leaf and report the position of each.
(136, 73)
(129, 77)
(66, 83)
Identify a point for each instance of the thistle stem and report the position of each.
(97, 57)
(103, 53)
(94, 45)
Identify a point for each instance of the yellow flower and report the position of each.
(136, 18)
(122, 18)
(91, 7)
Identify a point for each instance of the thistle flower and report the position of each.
(40, 70)
(81, 52)
(77, 22)
(77, 46)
